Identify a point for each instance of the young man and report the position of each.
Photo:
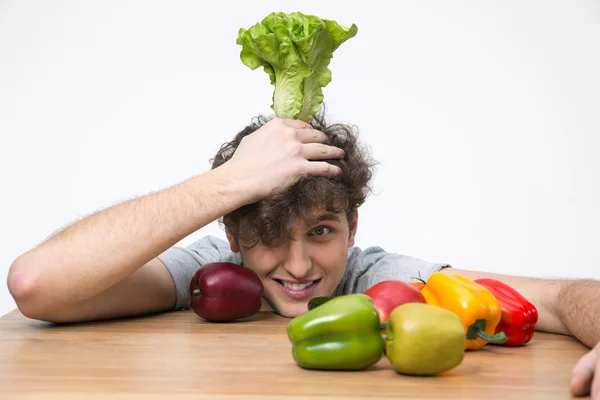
(288, 193)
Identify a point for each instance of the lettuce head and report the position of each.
(295, 51)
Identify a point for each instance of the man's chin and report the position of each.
(291, 314)
(288, 310)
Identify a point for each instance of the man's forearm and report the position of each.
(578, 307)
(102, 249)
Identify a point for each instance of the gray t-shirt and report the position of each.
(364, 268)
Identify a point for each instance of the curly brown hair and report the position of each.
(270, 220)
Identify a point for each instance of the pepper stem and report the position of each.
(383, 325)
(420, 279)
(498, 338)
(196, 292)
(478, 330)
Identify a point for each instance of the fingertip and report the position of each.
(577, 386)
(332, 170)
(582, 376)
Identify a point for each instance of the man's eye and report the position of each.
(322, 230)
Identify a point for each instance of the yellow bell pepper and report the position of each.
(476, 306)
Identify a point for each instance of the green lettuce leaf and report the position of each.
(295, 51)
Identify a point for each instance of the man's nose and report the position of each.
(298, 262)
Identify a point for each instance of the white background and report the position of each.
(485, 117)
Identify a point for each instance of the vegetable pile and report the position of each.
(295, 51)
(423, 328)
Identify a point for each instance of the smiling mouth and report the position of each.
(299, 291)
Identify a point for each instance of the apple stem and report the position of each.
(196, 292)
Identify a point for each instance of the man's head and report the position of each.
(297, 241)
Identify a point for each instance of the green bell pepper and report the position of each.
(341, 334)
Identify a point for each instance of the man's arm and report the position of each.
(105, 265)
(565, 306)
(150, 289)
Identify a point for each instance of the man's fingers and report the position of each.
(319, 151)
(295, 123)
(322, 168)
(311, 136)
(305, 132)
(596, 381)
(583, 373)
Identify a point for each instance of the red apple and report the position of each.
(223, 291)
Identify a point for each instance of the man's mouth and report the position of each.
(297, 290)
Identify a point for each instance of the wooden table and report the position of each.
(176, 356)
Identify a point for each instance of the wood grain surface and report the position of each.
(178, 356)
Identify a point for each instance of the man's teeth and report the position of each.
(297, 286)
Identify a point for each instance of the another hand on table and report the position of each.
(586, 375)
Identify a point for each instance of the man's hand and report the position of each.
(576, 314)
(278, 154)
(586, 375)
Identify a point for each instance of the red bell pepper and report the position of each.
(519, 316)
(387, 295)
(224, 291)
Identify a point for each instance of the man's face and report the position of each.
(310, 265)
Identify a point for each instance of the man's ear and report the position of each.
(353, 228)
(233, 245)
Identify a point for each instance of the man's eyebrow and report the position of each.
(327, 217)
